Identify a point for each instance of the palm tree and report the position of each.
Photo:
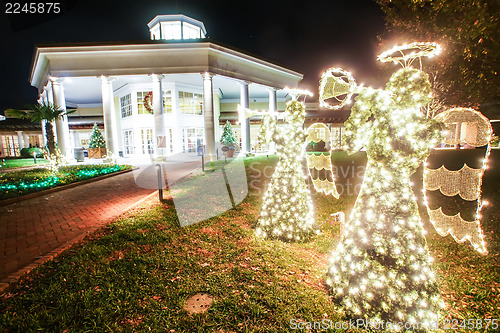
(39, 112)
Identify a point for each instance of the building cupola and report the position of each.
(176, 27)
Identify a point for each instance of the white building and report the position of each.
(157, 97)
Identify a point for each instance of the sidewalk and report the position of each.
(31, 231)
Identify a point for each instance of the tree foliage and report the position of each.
(42, 111)
(467, 73)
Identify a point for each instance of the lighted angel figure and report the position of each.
(287, 210)
(381, 269)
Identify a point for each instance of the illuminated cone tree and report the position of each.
(381, 269)
(228, 138)
(287, 212)
(96, 139)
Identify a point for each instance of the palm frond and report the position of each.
(17, 113)
(39, 112)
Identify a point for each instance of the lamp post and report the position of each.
(160, 185)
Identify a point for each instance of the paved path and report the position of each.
(31, 229)
(34, 230)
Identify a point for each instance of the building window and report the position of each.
(128, 142)
(125, 106)
(10, 145)
(171, 30)
(336, 137)
(190, 103)
(141, 109)
(171, 139)
(190, 31)
(35, 140)
(167, 101)
(192, 138)
(147, 143)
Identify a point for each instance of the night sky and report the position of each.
(306, 36)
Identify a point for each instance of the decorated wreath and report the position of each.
(148, 102)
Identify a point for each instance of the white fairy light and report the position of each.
(396, 264)
(336, 82)
(465, 182)
(405, 54)
(286, 211)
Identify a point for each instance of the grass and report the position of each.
(22, 162)
(21, 182)
(136, 274)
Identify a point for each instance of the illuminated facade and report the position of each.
(158, 97)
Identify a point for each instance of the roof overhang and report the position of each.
(93, 60)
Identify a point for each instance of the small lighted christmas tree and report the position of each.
(96, 138)
(228, 138)
(287, 212)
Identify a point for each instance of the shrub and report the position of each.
(28, 152)
(16, 183)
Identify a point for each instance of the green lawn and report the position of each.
(135, 275)
(21, 162)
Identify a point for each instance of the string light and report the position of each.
(381, 269)
(316, 133)
(335, 83)
(479, 127)
(465, 182)
(287, 210)
(21, 186)
(407, 53)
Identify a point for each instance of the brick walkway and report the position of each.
(33, 230)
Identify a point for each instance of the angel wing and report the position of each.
(316, 162)
(463, 126)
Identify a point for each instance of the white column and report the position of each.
(176, 126)
(118, 119)
(108, 109)
(20, 140)
(217, 133)
(458, 132)
(208, 113)
(158, 114)
(62, 122)
(49, 99)
(273, 107)
(245, 122)
(43, 100)
(76, 138)
(26, 139)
